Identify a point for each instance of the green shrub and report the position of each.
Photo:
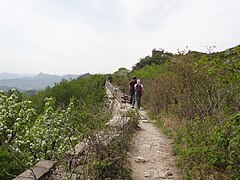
(195, 96)
(10, 166)
(61, 121)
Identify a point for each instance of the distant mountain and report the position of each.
(37, 82)
(6, 88)
(5, 75)
(72, 76)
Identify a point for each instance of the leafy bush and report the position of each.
(90, 89)
(9, 164)
(60, 122)
(227, 146)
(196, 97)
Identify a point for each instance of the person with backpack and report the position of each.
(138, 92)
(132, 91)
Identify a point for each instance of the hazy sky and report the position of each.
(99, 36)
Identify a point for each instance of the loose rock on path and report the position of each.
(150, 155)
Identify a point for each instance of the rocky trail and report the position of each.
(150, 155)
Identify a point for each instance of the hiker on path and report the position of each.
(132, 90)
(138, 92)
(109, 78)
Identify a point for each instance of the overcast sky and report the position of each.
(99, 36)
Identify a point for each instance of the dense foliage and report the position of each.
(157, 58)
(50, 123)
(196, 99)
(110, 161)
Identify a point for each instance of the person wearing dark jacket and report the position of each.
(132, 90)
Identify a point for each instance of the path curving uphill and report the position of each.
(150, 155)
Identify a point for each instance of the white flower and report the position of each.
(43, 143)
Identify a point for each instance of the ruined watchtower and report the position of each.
(159, 51)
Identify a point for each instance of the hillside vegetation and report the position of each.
(48, 124)
(195, 98)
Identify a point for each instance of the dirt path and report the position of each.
(150, 155)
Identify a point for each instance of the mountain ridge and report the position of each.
(37, 82)
(6, 75)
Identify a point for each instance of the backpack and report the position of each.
(132, 83)
(139, 89)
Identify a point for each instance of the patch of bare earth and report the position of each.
(151, 154)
